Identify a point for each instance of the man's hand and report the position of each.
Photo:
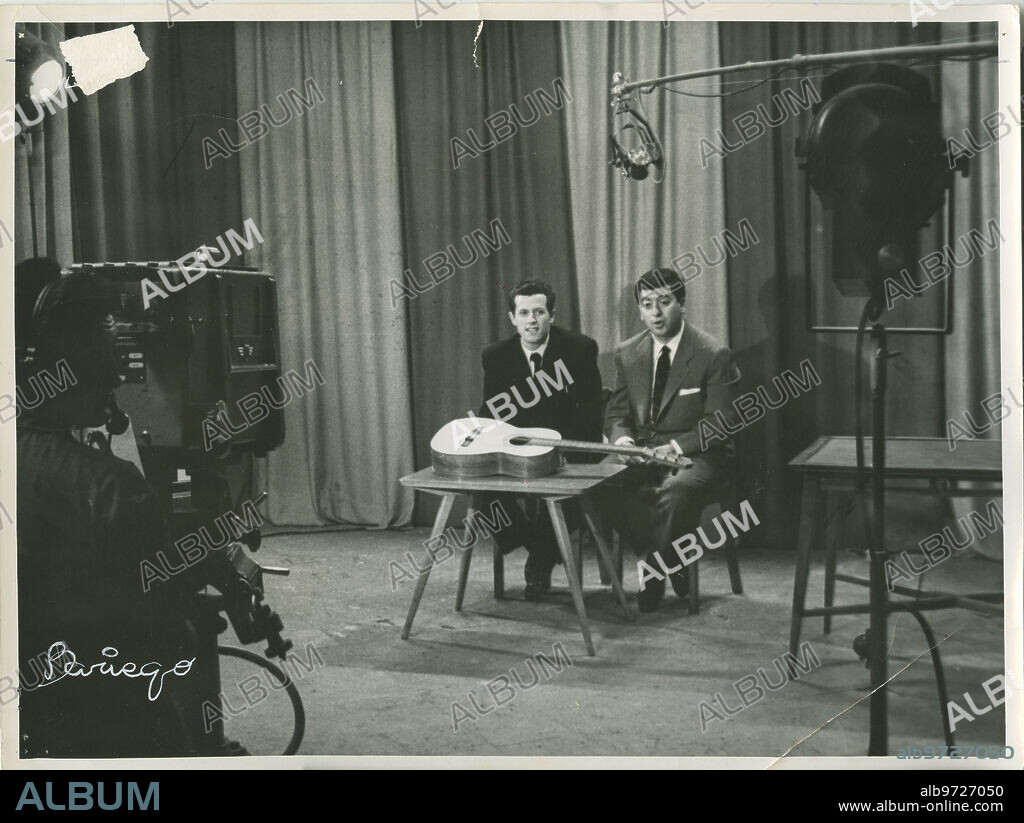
(666, 452)
(628, 459)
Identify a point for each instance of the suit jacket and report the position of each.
(704, 381)
(575, 411)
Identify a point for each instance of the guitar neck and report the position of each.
(584, 446)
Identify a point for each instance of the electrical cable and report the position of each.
(921, 62)
(750, 87)
(289, 687)
(940, 676)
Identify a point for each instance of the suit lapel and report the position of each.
(680, 367)
(640, 376)
(552, 352)
(521, 366)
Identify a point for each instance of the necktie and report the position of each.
(535, 361)
(660, 379)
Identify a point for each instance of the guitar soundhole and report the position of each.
(518, 440)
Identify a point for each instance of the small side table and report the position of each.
(571, 481)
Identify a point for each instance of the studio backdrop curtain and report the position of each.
(139, 186)
(622, 228)
(324, 188)
(42, 174)
(971, 367)
(458, 176)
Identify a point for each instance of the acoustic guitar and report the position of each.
(475, 447)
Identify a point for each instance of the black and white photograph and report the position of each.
(472, 383)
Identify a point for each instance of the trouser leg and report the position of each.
(518, 532)
(651, 508)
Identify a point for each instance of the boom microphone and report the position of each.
(645, 151)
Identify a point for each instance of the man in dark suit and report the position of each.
(542, 376)
(669, 378)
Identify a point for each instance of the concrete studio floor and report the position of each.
(376, 694)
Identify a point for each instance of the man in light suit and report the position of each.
(512, 394)
(668, 379)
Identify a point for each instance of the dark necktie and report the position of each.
(660, 379)
(535, 361)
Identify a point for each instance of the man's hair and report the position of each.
(72, 322)
(530, 287)
(661, 279)
(75, 304)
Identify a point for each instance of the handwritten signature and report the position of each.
(69, 666)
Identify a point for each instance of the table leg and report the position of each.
(578, 555)
(565, 547)
(467, 556)
(618, 560)
(499, 573)
(821, 532)
(604, 551)
(605, 577)
(439, 523)
(805, 539)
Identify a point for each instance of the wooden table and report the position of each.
(570, 482)
(830, 464)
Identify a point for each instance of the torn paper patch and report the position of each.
(99, 59)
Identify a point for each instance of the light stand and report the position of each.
(882, 247)
(879, 594)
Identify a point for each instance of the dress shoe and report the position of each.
(680, 581)
(648, 598)
(537, 574)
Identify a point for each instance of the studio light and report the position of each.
(40, 70)
(875, 156)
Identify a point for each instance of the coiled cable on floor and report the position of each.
(289, 687)
(940, 677)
